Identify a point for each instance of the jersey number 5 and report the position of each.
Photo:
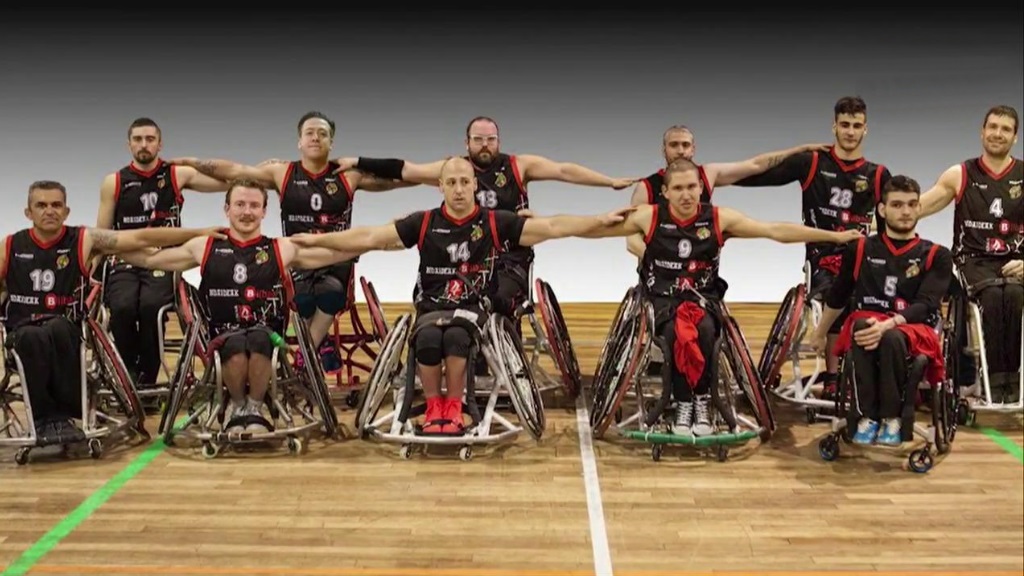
(458, 252)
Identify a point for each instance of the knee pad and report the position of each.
(257, 341)
(331, 302)
(305, 305)
(428, 347)
(456, 342)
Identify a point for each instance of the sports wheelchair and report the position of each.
(943, 397)
(110, 405)
(622, 373)
(798, 315)
(497, 339)
(298, 400)
(966, 315)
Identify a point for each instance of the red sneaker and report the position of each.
(453, 413)
(435, 418)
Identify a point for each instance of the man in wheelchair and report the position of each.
(45, 274)
(894, 284)
(458, 244)
(679, 246)
(988, 244)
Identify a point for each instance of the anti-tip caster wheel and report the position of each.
(656, 452)
(828, 448)
(465, 453)
(812, 415)
(210, 450)
(21, 456)
(352, 400)
(405, 452)
(294, 446)
(95, 448)
(722, 452)
(920, 461)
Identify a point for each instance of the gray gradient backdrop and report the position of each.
(593, 88)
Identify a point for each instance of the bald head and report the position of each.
(458, 184)
(456, 166)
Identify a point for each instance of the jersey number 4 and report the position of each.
(458, 252)
(996, 208)
(42, 280)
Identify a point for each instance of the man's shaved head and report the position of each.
(455, 165)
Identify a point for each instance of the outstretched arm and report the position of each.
(319, 250)
(390, 169)
(726, 173)
(837, 298)
(945, 190)
(534, 167)
(639, 196)
(360, 180)
(176, 259)
(737, 225)
(98, 241)
(792, 168)
(192, 179)
(268, 174)
(635, 245)
(615, 224)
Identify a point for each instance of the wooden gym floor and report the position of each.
(355, 508)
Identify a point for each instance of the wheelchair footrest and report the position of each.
(712, 440)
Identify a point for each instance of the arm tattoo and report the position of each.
(206, 167)
(775, 160)
(103, 240)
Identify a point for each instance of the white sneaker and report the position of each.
(684, 419)
(235, 409)
(255, 408)
(702, 425)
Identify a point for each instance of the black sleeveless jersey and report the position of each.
(887, 278)
(500, 186)
(840, 195)
(450, 247)
(313, 203)
(244, 284)
(681, 253)
(147, 199)
(655, 181)
(45, 279)
(989, 215)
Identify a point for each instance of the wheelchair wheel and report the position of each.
(558, 338)
(627, 308)
(780, 338)
(748, 378)
(523, 389)
(313, 375)
(946, 398)
(181, 384)
(627, 346)
(380, 324)
(116, 375)
(384, 371)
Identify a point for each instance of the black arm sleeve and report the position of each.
(934, 287)
(839, 294)
(409, 228)
(509, 226)
(794, 168)
(390, 168)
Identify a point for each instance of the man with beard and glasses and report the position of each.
(840, 191)
(147, 193)
(988, 241)
(315, 197)
(892, 284)
(502, 183)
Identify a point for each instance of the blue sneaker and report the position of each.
(330, 360)
(866, 431)
(890, 433)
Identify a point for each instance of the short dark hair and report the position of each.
(679, 166)
(481, 119)
(900, 183)
(676, 128)
(47, 185)
(1003, 110)
(850, 105)
(315, 114)
(143, 122)
(244, 183)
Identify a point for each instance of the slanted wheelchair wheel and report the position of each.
(558, 338)
(384, 371)
(116, 374)
(380, 324)
(627, 307)
(748, 378)
(782, 335)
(314, 379)
(627, 347)
(523, 389)
(180, 385)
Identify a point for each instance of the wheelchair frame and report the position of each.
(944, 398)
(621, 370)
(966, 314)
(308, 385)
(103, 363)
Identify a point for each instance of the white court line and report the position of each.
(595, 509)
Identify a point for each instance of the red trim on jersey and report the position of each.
(145, 173)
(704, 180)
(244, 243)
(51, 243)
(348, 187)
(206, 255)
(858, 258)
(82, 264)
(718, 227)
(653, 225)
(423, 229)
(117, 187)
(650, 190)
(7, 256)
(494, 230)
(843, 165)
(878, 183)
(683, 223)
(963, 182)
(175, 186)
(319, 174)
(993, 175)
(286, 278)
(931, 257)
(899, 251)
(810, 173)
(284, 182)
(457, 222)
(517, 175)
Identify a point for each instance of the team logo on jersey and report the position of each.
(62, 261)
(262, 256)
(1015, 192)
(332, 188)
(913, 270)
(861, 185)
(477, 233)
(500, 180)
(703, 233)
(161, 182)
